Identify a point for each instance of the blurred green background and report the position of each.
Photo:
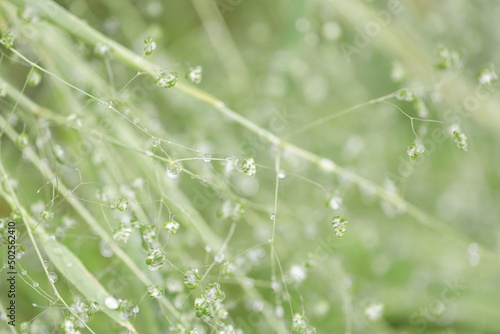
(281, 65)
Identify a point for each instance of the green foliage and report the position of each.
(206, 207)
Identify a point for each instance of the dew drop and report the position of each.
(447, 58)
(166, 80)
(374, 311)
(327, 165)
(104, 249)
(149, 45)
(156, 259)
(194, 74)
(219, 257)
(102, 50)
(459, 137)
(122, 204)
(111, 303)
(155, 291)
(273, 216)
(174, 169)
(340, 226)
(53, 277)
(122, 233)
(281, 174)
(172, 227)
(207, 158)
(257, 306)
(7, 40)
(192, 278)
(34, 78)
(36, 285)
(398, 72)
(487, 76)
(335, 203)
(415, 150)
(155, 141)
(46, 215)
(279, 311)
(22, 141)
(298, 273)
(246, 166)
(405, 95)
(92, 307)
